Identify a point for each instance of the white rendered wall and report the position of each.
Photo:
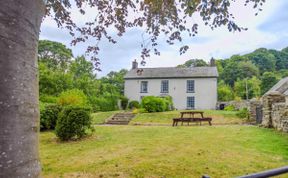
(205, 91)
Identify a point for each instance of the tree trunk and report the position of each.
(19, 114)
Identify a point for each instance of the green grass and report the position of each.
(100, 117)
(164, 151)
(165, 118)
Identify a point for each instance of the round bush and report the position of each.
(49, 116)
(134, 104)
(153, 104)
(73, 122)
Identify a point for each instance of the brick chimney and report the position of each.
(212, 62)
(135, 64)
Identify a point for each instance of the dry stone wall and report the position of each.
(275, 111)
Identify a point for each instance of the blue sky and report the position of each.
(268, 29)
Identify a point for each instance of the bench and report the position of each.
(191, 118)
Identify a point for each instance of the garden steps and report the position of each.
(122, 118)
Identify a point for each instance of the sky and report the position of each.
(268, 29)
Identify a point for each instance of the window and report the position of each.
(164, 86)
(144, 87)
(190, 102)
(190, 86)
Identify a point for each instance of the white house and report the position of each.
(190, 88)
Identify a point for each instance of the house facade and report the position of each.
(190, 88)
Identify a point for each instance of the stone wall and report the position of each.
(254, 103)
(275, 110)
(280, 116)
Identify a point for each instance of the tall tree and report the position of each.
(20, 24)
(269, 79)
(19, 120)
(194, 63)
(55, 55)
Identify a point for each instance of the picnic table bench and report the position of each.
(189, 116)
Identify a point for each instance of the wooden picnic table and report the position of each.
(189, 116)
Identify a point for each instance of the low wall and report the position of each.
(280, 116)
(275, 111)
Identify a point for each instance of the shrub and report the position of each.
(49, 116)
(154, 104)
(48, 99)
(134, 104)
(243, 113)
(104, 104)
(73, 97)
(73, 122)
(169, 103)
(124, 102)
(229, 108)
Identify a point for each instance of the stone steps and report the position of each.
(120, 118)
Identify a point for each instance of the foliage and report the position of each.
(55, 55)
(156, 104)
(248, 88)
(134, 104)
(49, 116)
(238, 67)
(115, 80)
(263, 59)
(124, 102)
(269, 79)
(48, 98)
(243, 113)
(73, 97)
(104, 103)
(194, 63)
(73, 122)
(225, 92)
(229, 108)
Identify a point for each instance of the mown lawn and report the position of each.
(165, 151)
(165, 118)
(100, 117)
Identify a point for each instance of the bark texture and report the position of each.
(19, 114)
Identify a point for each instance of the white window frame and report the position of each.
(190, 87)
(164, 88)
(144, 87)
(190, 102)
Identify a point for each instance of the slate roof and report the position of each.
(172, 72)
(281, 86)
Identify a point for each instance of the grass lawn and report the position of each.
(165, 118)
(100, 117)
(164, 151)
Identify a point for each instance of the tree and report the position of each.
(116, 79)
(238, 67)
(55, 55)
(225, 92)
(248, 88)
(268, 79)
(20, 24)
(263, 59)
(194, 63)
